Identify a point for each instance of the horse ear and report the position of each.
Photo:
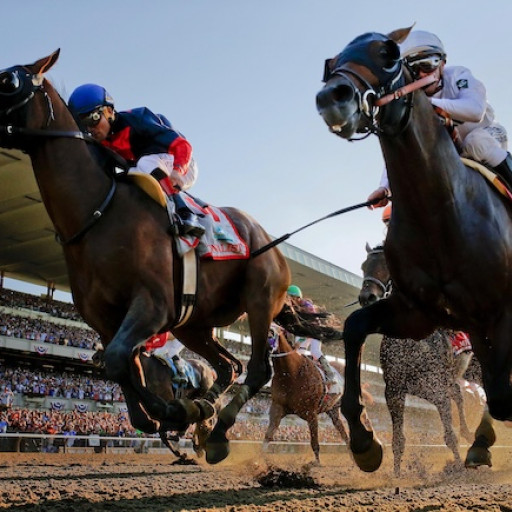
(368, 248)
(41, 66)
(399, 35)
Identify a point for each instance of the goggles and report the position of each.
(426, 65)
(92, 118)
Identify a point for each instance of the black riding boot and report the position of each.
(189, 223)
(504, 171)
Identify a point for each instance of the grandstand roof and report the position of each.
(29, 252)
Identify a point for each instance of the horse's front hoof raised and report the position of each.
(478, 456)
(217, 446)
(371, 459)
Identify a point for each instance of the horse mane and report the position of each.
(320, 324)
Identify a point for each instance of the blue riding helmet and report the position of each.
(88, 97)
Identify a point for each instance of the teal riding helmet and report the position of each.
(294, 291)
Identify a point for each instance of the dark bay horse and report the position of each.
(426, 368)
(299, 388)
(124, 272)
(449, 244)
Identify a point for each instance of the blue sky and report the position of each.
(239, 79)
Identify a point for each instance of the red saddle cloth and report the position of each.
(461, 343)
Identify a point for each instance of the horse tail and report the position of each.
(305, 323)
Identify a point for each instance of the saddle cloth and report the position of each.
(221, 240)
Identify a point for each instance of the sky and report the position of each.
(239, 78)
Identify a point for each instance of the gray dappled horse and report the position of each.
(426, 368)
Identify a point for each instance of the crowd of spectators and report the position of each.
(20, 300)
(42, 383)
(71, 422)
(45, 331)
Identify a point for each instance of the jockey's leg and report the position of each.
(189, 223)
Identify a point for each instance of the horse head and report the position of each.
(19, 86)
(376, 277)
(368, 68)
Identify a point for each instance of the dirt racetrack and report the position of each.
(149, 482)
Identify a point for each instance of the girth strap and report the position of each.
(188, 297)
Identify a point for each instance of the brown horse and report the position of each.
(159, 380)
(426, 368)
(124, 271)
(298, 387)
(449, 244)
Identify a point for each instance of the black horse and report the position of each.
(449, 244)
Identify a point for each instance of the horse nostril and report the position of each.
(343, 93)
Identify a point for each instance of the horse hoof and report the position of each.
(371, 459)
(217, 446)
(478, 456)
(216, 451)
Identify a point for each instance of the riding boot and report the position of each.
(181, 375)
(504, 171)
(188, 223)
(330, 376)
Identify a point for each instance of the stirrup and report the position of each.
(189, 225)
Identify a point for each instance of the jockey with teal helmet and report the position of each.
(294, 291)
(147, 141)
(312, 344)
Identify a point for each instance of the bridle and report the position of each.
(14, 131)
(370, 101)
(274, 343)
(385, 287)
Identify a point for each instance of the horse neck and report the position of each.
(71, 182)
(286, 355)
(422, 163)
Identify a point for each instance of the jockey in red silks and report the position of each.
(147, 141)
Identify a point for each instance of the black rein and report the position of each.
(98, 213)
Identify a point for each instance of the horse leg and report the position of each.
(141, 321)
(495, 357)
(479, 453)
(259, 373)
(444, 408)
(313, 433)
(275, 415)
(365, 447)
(396, 406)
(459, 402)
(335, 416)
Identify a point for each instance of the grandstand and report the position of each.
(40, 336)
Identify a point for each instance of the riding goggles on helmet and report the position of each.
(92, 118)
(426, 64)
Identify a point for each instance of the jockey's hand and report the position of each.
(381, 194)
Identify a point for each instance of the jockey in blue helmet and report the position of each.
(146, 140)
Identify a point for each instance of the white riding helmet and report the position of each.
(421, 44)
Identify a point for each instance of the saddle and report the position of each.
(490, 176)
(220, 241)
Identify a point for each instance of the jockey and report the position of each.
(146, 140)
(167, 347)
(302, 344)
(458, 93)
